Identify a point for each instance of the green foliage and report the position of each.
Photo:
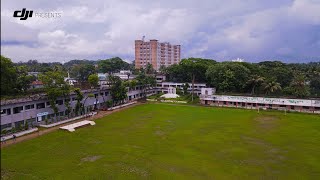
(55, 87)
(228, 76)
(271, 87)
(113, 65)
(299, 86)
(255, 81)
(93, 80)
(79, 98)
(185, 88)
(3, 132)
(26, 125)
(82, 71)
(109, 103)
(118, 89)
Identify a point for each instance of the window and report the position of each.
(17, 110)
(106, 93)
(73, 99)
(305, 107)
(283, 106)
(30, 106)
(40, 105)
(59, 102)
(6, 111)
(48, 103)
(101, 94)
(6, 126)
(95, 95)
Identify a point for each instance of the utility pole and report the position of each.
(192, 86)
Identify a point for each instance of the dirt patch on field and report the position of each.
(274, 154)
(90, 158)
(267, 122)
(126, 168)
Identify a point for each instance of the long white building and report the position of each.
(207, 97)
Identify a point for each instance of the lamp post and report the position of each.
(285, 108)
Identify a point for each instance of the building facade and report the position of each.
(162, 87)
(297, 105)
(37, 109)
(156, 53)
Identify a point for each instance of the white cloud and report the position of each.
(213, 29)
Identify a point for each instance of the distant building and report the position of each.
(34, 74)
(156, 53)
(238, 60)
(70, 81)
(208, 97)
(163, 87)
(36, 84)
(125, 75)
(103, 80)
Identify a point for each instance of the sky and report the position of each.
(253, 30)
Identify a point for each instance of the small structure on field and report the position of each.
(73, 126)
(172, 93)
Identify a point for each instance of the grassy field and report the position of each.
(159, 141)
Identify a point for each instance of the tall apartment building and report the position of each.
(156, 53)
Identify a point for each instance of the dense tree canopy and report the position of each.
(113, 65)
(273, 78)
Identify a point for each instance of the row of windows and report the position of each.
(18, 109)
(264, 105)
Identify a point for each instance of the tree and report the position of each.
(55, 87)
(185, 88)
(82, 71)
(144, 81)
(79, 98)
(149, 69)
(299, 86)
(228, 76)
(195, 68)
(118, 89)
(24, 80)
(271, 87)
(113, 65)
(255, 81)
(8, 76)
(93, 80)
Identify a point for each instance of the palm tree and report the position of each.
(255, 81)
(271, 87)
(299, 86)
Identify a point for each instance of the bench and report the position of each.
(73, 126)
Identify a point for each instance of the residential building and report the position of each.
(156, 53)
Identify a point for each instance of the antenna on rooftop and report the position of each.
(143, 38)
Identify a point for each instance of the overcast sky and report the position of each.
(255, 30)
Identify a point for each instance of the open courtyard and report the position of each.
(162, 141)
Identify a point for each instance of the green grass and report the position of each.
(161, 141)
